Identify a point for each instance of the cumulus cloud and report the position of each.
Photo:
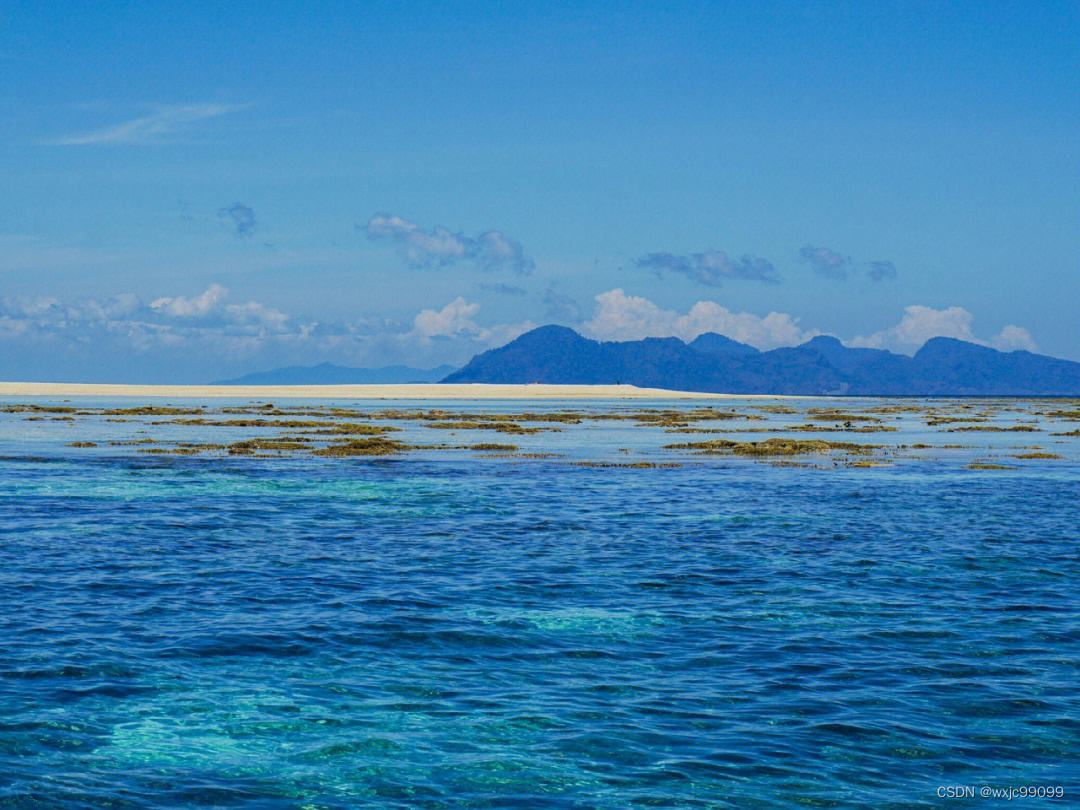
(164, 121)
(240, 219)
(441, 247)
(210, 306)
(455, 320)
(257, 314)
(123, 305)
(619, 316)
(920, 323)
(28, 307)
(208, 334)
(712, 267)
(829, 263)
(176, 315)
(195, 307)
(1013, 337)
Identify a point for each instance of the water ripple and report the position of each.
(463, 634)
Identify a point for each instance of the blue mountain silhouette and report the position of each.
(823, 365)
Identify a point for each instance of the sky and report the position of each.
(197, 190)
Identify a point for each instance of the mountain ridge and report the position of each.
(821, 366)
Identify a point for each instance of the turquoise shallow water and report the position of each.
(460, 631)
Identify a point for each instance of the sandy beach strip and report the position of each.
(412, 391)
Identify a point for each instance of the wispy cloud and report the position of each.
(832, 264)
(561, 307)
(826, 262)
(711, 267)
(881, 270)
(157, 127)
(240, 217)
(503, 289)
(439, 246)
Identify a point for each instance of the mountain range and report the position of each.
(329, 374)
(822, 365)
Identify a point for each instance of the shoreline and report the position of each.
(466, 391)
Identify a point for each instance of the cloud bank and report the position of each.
(920, 323)
(619, 316)
(208, 335)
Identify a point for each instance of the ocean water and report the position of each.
(453, 629)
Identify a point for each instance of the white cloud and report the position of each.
(38, 306)
(164, 121)
(258, 314)
(119, 306)
(452, 320)
(210, 307)
(206, 335)
(195, 307)
(1013, 337)
(455, 320)
(203, 336)
(389, 226)
(619, 316)
(920, 323)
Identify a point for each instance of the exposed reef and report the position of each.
(363, 447)
(773, 447)
(267, 430)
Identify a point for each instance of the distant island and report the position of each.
(329, 374)
(821, 366)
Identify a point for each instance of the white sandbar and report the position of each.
(411, 391)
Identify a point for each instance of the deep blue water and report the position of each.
(460, 631)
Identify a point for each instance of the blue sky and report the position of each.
(193, 190)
